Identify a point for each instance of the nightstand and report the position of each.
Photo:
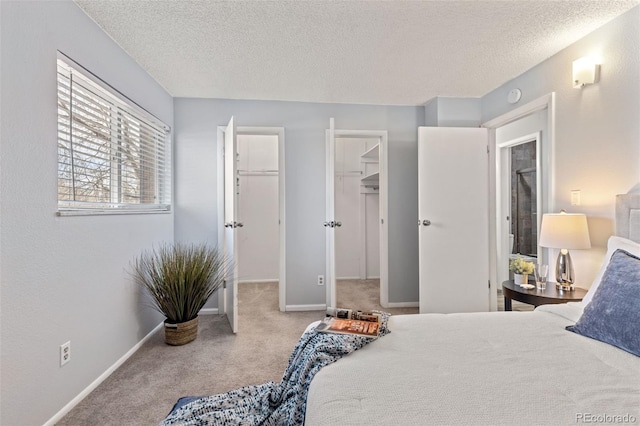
(536, 297)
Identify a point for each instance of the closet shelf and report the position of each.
(372, 155)
(371, 179)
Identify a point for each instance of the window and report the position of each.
(113, 157)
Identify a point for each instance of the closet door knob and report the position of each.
(239, 225)
(426, 222)
(338, 224)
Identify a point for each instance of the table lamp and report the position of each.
(564, 231)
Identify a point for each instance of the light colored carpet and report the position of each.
(145, 387)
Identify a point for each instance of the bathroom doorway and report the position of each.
(532, 121)
(520, 200)
(523, 216)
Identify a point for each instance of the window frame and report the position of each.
(147, 140)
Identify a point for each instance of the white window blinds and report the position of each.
(112, 155)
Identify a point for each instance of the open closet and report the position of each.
(357, 234)
(258, 243)
(251, 217)
(357, 188)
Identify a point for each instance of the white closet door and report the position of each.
(230, 222)
(453, 188)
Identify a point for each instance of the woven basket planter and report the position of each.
(180, 333)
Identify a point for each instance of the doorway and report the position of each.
(357, 233)
(253, 161)
(521, 200)
(532, 121)
(258, 243)
(357, 205)
(524, 206)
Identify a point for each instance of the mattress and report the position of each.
(494, 368)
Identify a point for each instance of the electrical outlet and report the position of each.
(320, 279)
(65, 353)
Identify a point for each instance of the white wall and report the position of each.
(597, 129)
(305, 124)
(445, 111)
(258, 239)
(62, 278)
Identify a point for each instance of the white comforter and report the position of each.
(498, 368)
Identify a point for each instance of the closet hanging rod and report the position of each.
(258, 172)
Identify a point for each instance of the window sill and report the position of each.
(109, 212)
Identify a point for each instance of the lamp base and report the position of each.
(564, 287)
(564, 271)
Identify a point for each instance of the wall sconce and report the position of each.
(585, 71)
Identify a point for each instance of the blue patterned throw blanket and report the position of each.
(272, 403)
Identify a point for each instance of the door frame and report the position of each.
(383, 136)
(548, 185)
(260, 131)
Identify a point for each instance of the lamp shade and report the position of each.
(564, 231)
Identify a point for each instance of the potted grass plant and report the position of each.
(180, 278)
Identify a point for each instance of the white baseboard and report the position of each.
(294, 308)
(75, 401)
(63, 412)
(275, 280)
(403, 305)
(357, 278)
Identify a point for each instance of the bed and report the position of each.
(502, 368)
(565, 364)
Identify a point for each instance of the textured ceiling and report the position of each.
(372, 52)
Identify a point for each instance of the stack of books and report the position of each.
(348, 321)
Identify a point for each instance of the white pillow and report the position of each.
(613, 244)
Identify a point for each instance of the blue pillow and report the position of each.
(613, 315)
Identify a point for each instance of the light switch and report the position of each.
(575, 197)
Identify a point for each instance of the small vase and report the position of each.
(521, 279)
